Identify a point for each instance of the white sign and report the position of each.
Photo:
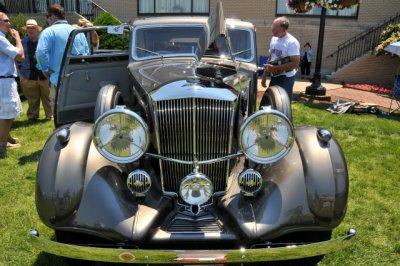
(115, 29)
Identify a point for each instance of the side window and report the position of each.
(99, 41)
(242, 43)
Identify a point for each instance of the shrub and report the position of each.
(109, 41)
(2, 8)
(389, 35)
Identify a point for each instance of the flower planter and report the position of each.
(299, 6)
(348, 3)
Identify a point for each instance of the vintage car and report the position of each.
(161, 155)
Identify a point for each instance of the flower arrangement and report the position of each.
(337, 4)
(303, 6)
(300, 6)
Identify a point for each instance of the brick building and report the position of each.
(350, 34)
(340, 27)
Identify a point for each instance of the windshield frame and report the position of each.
(152, 26)
(252, 43)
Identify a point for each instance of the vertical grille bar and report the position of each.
(190, 127)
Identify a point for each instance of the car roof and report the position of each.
(184, 20)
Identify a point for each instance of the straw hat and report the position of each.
(32, 23)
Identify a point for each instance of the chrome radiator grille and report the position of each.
(194, 129)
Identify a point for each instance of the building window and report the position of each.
(283, 9)
(175, 7)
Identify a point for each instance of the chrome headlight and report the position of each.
(266, 136)
(196, 189)
(121, 135)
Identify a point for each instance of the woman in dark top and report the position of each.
(306, 60)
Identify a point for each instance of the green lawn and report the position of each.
(371, 145)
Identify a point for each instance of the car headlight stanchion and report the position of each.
(266, 136)
(121, 135)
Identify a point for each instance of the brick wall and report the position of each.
(379, 70)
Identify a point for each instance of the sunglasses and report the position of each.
(5, 20)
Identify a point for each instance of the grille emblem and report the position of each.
(139, 182)
(250, 182)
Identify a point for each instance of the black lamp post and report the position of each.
(316, 89)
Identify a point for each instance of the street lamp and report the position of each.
(316, 88)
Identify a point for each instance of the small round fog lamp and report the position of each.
(196, 189)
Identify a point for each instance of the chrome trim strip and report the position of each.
(157, 131)
(183, 89)
(148, 256)
(234, 106)
(216, 160)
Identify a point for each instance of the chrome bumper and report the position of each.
(189, 256)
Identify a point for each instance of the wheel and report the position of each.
(278, 99)
(108, 97)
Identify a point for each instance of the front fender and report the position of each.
(61, 174)
(305, 191)
(326, 176)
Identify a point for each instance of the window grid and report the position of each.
(155, 13)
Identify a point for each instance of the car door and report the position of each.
(83, 74)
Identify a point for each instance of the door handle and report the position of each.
(69, 74)
(87, 76)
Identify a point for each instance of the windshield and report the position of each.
(242, 43)
(166, 41)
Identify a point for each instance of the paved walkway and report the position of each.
(337, 91)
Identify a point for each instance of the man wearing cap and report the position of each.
(34, 84)
(51, 46)
(10, 104)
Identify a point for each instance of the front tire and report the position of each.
(108, 97)
(278, 99)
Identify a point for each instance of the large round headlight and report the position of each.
(266, 136)
(121, 135)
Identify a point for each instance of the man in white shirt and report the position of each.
(284, 58)
(10, 104)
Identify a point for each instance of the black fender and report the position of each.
(108, 97)
(61, 174)
(278, 99)
(79, 190)
(306, 190)
(326, 175)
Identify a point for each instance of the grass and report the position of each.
(371, 145)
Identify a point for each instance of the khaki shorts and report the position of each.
(10, 103)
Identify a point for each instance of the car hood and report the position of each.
(152, 74)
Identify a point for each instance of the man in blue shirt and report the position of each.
(52, 43)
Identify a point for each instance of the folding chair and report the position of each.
(395, 97)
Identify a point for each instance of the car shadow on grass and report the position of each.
(48, 259)
(33, 157)
(27, 123)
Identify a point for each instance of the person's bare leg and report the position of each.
(5, 126)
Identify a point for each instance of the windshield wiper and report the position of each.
(151, 52)
(241, 52)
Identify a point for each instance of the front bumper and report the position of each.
(148, 256)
